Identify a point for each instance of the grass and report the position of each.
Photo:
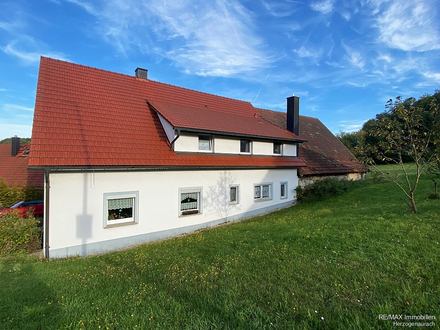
(332, 264)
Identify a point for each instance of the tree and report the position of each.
(408, 131)
(352, 141)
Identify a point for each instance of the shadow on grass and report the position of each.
(26, 301)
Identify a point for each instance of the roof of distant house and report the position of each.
(87, 117)
(14, 168)
(323, 153)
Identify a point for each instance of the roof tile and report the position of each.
(91, 117)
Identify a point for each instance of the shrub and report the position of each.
(19, 235)
(323, 189)
(10, 195)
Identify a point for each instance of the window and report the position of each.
(233, 194)
(120, 208)
(190, 201)
(283, 192)
(277, 148)
(245, 146)
(263, 191)
(205, 142)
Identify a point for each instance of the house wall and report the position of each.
(190, 143)
(76, 223)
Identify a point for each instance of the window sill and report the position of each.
(258, 200)
(122, 224)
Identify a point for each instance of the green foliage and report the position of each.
(335, 263)
(19, 235)
(26, 141)
(352, 141)
(322, 189)
(10, 195)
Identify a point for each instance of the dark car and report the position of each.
(36, 208)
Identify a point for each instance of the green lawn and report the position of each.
(333, 264)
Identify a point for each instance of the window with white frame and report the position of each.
(283, 190)
(262, 191)
(121, 208)
(245, 146)
(190, 201)
(205, 142)
(277, 148)
(234, 194)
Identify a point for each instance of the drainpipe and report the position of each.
(177, 136)
(46, 214)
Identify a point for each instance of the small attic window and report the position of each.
(277, 148)
(26, 152)
(205, 142)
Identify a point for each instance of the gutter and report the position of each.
(46, 212)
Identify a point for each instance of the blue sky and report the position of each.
(344, 59)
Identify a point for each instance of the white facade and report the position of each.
(78, 225)
(188, 142)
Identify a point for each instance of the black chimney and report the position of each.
(141, 73)
(15, 145)
(293, 114)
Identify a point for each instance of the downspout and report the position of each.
(46, 213)
(177, 136)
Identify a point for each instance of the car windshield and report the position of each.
(13, 206)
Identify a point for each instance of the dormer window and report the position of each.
(277, 148)
(245, 146)
(205, 142)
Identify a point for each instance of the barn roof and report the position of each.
(323, 153)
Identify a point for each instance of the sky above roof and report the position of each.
(344, 59)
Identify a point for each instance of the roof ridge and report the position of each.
(149, 80)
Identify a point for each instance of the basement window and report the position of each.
(262, 192)
(120, 208)
(283, 188)
(190, 201)
(233, 194)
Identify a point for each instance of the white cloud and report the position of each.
(3, 89)
(346, 15)
(410, 26)
(206, 38)
(324, 7)
(305, 52)
(31, 57)
(349, 126)
(15, 107)
(353, 57)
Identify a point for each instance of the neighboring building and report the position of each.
(14, 161)
(128, 160)
(324, 155)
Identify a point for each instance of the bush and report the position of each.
(10, 195)
(19, 235)
(323, 189)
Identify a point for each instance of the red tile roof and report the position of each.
(323, 153)
(14, 169)
(91, 117)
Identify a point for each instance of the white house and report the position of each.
(129, 160)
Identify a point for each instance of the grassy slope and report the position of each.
(335, 264)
